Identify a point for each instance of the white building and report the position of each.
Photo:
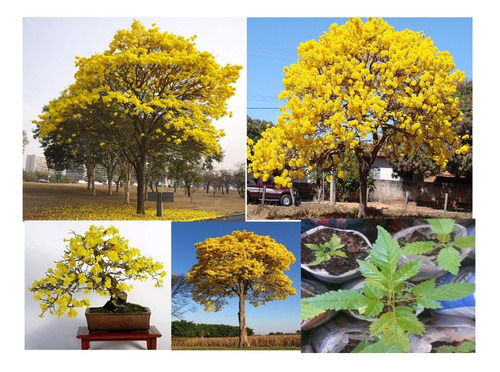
(36, 163)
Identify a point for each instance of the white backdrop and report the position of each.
(44, 245)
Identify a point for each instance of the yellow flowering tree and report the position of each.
(243, 265)
(151, 91)
(358, 89)
(99, 261)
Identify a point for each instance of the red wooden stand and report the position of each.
(149, 336)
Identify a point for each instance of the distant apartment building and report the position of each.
(36, 163)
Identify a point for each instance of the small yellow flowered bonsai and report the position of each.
(99, 261)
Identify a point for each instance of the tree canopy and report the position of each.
(362, 87)
(151, 91)
(243, 265)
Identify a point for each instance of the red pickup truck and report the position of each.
(255, 190)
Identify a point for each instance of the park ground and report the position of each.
(75, 202)
(312, 210)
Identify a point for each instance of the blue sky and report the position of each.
(275, 316)
(273, 42)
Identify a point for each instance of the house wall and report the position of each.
(423, 193)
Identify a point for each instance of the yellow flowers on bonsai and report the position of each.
(99, 261)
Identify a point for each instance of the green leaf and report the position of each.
(370, 271)
(374, 308)
(333, 300)
(441, 227)
(385, 252)
(340, 254)
(407, 270)
(465, 347)
(313, 247)
(401, 319)
(424, 289)
(449, 259)
(372, 292)
(452, 291)
(418, 248)
(381, 347)
(464, 242)
(361, 346)
(429, 303)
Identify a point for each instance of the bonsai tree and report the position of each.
(385, 298)
(243, 265)
(99, 261)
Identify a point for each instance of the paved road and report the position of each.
(234, 217)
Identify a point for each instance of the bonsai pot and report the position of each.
(429, 268)
(115, 322)
(338, 269)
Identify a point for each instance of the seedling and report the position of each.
(385, 297)
(448, 250)
(325, 251)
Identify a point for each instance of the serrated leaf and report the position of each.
(429, 303)
(374, 308)
(452, 291)
(424, 288)
(396, 341)
(464, 242)
(441, 226)
(449, 259)
(407, 270)
(312, 247)
(333, 300)
(418, 248)
(340, 254)
(371, 271)
(372, 292)
(465, 347)
(381, 347)
(385, 252)
(402, 318)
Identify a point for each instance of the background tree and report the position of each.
(242, 265)
(25, 141)
(238, 179)
(181, 296)
(158, 91)
(360, 88)
(255, 127)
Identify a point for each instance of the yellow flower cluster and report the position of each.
(361, 85)
(122, 212)
(242, 263)
(98, 261)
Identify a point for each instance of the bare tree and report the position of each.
(181, 296)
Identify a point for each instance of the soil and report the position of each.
(420, 235)
(310, 210)
(38, 197)
(128, 308)
(355, 247)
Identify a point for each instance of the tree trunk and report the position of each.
(241, 319)
(140, 170)
(333, 188)
(364, 170)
